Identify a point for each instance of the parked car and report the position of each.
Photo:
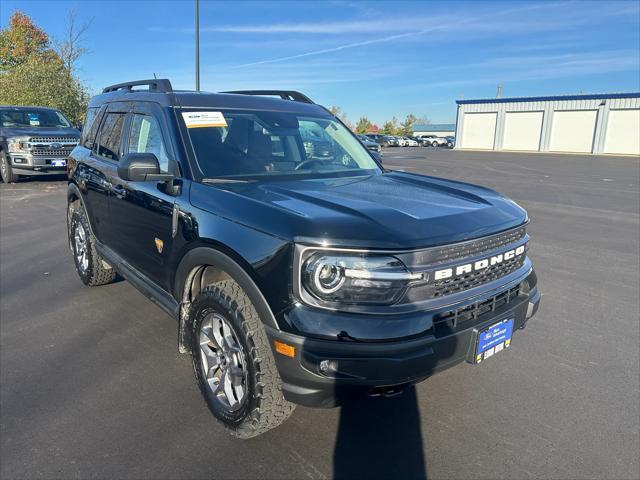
(401, 141)
(451, 141)
(34, 141)
(373, 147)
(382, 140)
(410, 142)
(370, 144)
(294, 279)
(435, 141)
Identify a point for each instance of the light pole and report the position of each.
(197, 49)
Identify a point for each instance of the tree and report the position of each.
(424, 120)
(406, 127)
(21, 40)
(363, 125)
(337, 112)
(46, 83)
(71, 48)
(32, 73)
(390, 127)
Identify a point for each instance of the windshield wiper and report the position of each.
(223, 180)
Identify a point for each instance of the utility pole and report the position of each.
(499, 92)
(197, 49)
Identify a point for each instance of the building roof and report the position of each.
(436, 127)
(588, 96)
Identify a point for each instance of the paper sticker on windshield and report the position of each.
(204, 119)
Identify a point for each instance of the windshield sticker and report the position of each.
(204, 119)
(33, 119)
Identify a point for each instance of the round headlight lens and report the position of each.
(328, 278)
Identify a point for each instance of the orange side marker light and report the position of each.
(284, 349)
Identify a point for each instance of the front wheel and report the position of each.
(92, 269)
(6, 172)
(233, 363)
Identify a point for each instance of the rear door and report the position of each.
(141, 212)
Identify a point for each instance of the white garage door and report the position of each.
(479, 130)
(522, 131)
(572, 131)
(623, 132)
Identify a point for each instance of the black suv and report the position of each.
(34, 141)
(294, 278)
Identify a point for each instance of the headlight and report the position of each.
(355, 279)
(18, 145)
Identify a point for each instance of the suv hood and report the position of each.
(392, 210)
(39, 132)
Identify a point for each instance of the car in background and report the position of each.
(451, 141)
(410, 142)
(380, 139)
(34, 141)
(401, 141)
(435, 141)
(373, 147)
(370, 144)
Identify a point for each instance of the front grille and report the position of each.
(476, 247)
(73, 140)
(473, 279)
(473, 311)
(51, 152)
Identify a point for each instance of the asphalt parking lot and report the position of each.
(92, 386)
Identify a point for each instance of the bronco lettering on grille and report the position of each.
(478, 265)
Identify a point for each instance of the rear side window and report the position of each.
(146, 137)
(110, 134)
(90, 128)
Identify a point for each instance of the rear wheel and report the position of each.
(92, 269)
(233, 363)
(6, 172)
(434, 144)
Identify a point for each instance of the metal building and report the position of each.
(600, 124)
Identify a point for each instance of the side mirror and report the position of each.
(79, 127)
(141, 167)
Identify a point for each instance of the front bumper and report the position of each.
(353, 368)
(25, 164)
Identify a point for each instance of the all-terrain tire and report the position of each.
(263, 407)
(93, 270)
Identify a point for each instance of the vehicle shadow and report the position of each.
(380, 438)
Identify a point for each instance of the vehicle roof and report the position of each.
(231, 101)
(28, 107)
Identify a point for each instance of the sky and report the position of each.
(375, 59)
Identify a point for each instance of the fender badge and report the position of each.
(159, 245)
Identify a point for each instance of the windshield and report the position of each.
(22, 117)
(250, 144)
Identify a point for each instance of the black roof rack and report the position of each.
(161, 85)
(284, 94)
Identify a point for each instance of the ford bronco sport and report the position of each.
(299, 270)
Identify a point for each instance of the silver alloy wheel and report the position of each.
(80, 244)
(222, 362)
(3, 168)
